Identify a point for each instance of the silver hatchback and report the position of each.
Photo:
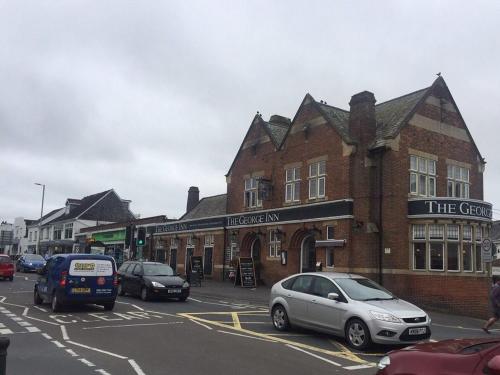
(347, 305)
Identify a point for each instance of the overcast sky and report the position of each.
(150, 98)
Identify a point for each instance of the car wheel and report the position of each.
(120, 290)
(36, 298)
(357, 334)
(56, 305)
(280, 318)
(109, 306)
(144, 293)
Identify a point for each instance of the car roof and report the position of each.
(335, 275)
(144, 262)
(83, 256)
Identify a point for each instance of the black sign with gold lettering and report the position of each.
(449, 208)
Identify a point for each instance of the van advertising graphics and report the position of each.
(91, 267)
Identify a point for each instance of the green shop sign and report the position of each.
(118, 235)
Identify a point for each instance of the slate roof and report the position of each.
(207, 207)
(277, 132)
(392, 115)
(85, 204)
(339, 118)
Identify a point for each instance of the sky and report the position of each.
(150, 98)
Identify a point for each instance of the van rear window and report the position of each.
(90, 267)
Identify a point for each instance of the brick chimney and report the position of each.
(193, 198)
(362, 122)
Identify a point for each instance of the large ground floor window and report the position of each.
(447, 247)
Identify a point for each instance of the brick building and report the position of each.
(393, 191)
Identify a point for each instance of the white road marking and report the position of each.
(47, 336)
(25, 312)
(6, 331)
(16, 319)
(58, 344)
(133, 325)
(32, 329)
(71, 352)
(88, 363)
(41, 320)
(201, 324)
(131, 304)
(64, 333)
(358, 367)
(247, 336)
(2, 325)
(97, 350)
(195, 300)
(136, 367)
(101, 371)
(40, 308)
(314, 355)
(24, 324)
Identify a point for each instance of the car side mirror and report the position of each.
(494, 365)
(333, 296)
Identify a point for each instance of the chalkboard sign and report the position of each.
(197, 267)
(245, 273)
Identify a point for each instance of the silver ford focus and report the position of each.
(347, 305)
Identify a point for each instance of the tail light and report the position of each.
(64, 275)
(115, 279)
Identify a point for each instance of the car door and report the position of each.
(297, 298)
(123, 274)
(43, 280)
(324, 313)
(135, 279)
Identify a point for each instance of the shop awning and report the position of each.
(330, 243)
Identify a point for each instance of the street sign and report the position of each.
(486, 250)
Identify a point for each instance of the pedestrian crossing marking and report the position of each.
(6, 331)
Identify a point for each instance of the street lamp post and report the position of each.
(40, 222)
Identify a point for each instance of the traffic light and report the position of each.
(141, 236)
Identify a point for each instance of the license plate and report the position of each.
(174, 291)
(80, 290)
(417, 331)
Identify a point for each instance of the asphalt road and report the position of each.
(207, 333)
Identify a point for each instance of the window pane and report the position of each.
(465, 175)
(419, 256)
(312, 188)
(432, 166)
(450, 188)
(321, 187)
(467, 255)
(452, 232)
(467, 232)
(456, 172)
(436, 231)
(432, 186)
(296, 175)
(479, 258)
(466, 190)
(329, 233)
(422, 165)
(450, 171)
(322, 167)
(413, 183)
(288, 176)
(419, 232)
(413, 163)
(436, 250)
(329, 257)
(288, 195)
(422, 184)
(458, 189)
(296, 193)
(453, 261)
(313, 170)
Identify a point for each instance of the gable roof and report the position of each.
(207, 207)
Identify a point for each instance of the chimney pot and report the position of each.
(193, 198)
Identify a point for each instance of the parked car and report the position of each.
(77, 279)
(457, 356)
(349, 306)
(151, 279)
(30, 263)
(6, 267)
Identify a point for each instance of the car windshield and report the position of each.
(158, 270)
(361, 289)
(33, 258)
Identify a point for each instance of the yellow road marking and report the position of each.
(236, 320)
(340, 354)
(343, 349)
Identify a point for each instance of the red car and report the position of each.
(459, 356)
(6, 267)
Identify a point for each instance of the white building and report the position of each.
(6, 237)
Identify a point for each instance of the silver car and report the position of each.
(346, 305)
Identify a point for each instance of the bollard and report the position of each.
(4, 344)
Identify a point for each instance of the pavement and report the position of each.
(223, 290)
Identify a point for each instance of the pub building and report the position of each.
(392, 191)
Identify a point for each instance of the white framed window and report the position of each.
(419, 247)
(452, 247)
(251, 193)
(467, 257)
(274, 243)
(436, 247)
(36, 235)
(330, 233)
(317, 179)
(58, 231)
(190, 241)
(174, 243)
(235, 251)
(30, 236)
(458, 183)
(68, 230)
(209, 240)
(478, 255)
(422, 176)
(292, 185)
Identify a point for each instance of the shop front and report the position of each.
(113, 243)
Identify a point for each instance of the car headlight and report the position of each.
(384, 317)
(185, 284)
(156, 284)
(31, 264)
(384, 362)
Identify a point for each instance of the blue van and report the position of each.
(77, 279)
